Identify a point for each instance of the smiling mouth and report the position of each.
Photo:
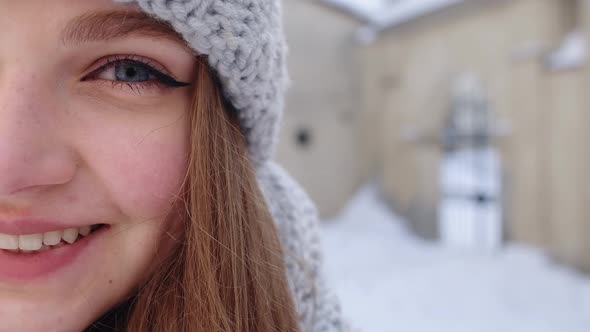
(36, 243)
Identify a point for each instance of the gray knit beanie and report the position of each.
(245, 45)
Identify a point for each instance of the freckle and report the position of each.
(110, 281)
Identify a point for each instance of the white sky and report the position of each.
(391, 12)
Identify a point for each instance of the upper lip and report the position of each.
(34, 226)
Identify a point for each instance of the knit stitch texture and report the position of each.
(245, 45)
(297, 222)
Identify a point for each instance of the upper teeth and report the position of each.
(31, 242)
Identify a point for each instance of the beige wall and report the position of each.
(582, 186)
(527, 160)
(408, 78)
(585, 23)
(324, 99)
(567, 137)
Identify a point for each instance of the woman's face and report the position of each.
(93, 131)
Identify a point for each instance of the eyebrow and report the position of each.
(109, 25)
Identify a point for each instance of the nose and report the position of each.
(33, 153)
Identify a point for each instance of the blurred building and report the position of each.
(320, 143)
(373, 92)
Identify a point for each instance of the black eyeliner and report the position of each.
(165, 79)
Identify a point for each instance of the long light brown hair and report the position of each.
(226, 272)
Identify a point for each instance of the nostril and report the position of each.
(41, 168)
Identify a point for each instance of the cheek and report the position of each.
(150, 177)
(138, 166)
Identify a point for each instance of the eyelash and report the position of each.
(161, 81)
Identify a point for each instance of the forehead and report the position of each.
(75, 22)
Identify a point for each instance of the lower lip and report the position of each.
(30, 266)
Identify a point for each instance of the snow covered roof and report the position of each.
(572, 53)
(383, 14)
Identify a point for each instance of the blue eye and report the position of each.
(132, 72)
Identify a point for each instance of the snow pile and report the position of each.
(388, 13)
(572, 53)
(388, 280)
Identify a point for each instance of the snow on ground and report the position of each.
(388, 280)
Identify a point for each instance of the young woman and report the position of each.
(136, 191)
